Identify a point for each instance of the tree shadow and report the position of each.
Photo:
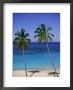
(54, 74)
(33, 72)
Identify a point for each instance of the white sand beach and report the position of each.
(35, 73)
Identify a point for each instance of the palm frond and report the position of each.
(37, 31)
(18, 33)
(49, 38)
(49, 28)
(51, 34)
(23, 30)
(21, 41)
(26, 35)
(35, 36)
(43, 26)
(38, 28)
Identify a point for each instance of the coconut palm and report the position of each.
(21, 41)
(43, 34)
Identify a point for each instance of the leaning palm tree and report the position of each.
(21, 41)
(44, 35)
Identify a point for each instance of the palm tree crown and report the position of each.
(43, 34)
(21, 40)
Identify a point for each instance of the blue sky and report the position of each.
(30, 21)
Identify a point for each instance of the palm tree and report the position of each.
(21, 41)
(44, 35)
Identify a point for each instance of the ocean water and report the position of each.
(37, 56)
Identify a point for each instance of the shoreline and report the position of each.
(35, 73)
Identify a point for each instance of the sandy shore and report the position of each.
(35, 73)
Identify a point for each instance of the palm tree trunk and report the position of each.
(25, 64)
(50, 54)
(51, 58)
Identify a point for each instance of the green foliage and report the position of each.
(21, 40)
(43, 34)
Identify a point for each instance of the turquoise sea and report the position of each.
(37, 56)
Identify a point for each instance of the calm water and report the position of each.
(36, 56)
